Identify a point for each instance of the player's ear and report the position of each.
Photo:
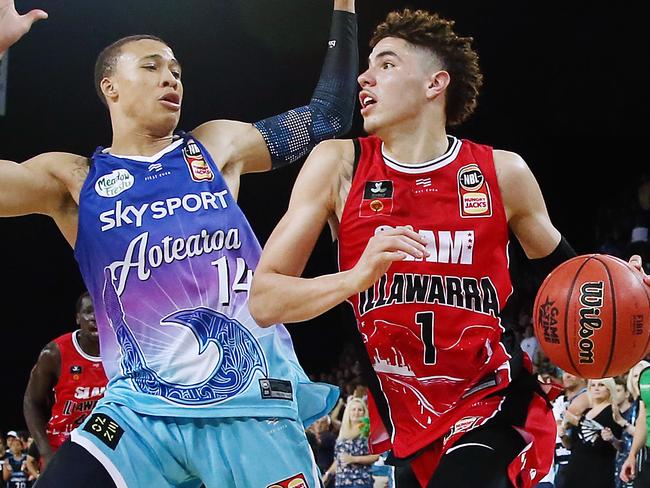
(109, 88)
(437, 83)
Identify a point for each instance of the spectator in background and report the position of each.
(529, 343)
(352, 459)
(569, 407)
(325, 442)
(637, 452)
(66, 383)
(14, 468)
(595, 439)
(33, 461)
(628, 409)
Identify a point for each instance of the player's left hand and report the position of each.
(637, 263)
(13, 26)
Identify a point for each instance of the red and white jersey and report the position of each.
(81, 384)
(431, 326)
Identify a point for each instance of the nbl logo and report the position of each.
(473, 192)
(471, 179)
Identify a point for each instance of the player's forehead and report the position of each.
(144, 49)
(391, 47)
(86, 302)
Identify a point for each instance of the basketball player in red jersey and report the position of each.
(422, 221)
(65, 383)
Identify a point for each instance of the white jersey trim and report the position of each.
(147, 159)
(101, 457)
(77, 346)
(440, 162)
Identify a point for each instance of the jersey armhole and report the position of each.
(357, 155)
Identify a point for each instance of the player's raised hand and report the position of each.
(13, 26)
(347, 5)
(385, 247)
(637, 263)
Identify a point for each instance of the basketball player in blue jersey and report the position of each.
(198, 392)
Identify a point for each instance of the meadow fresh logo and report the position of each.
(114, 183)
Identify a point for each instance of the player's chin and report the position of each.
(370, 125)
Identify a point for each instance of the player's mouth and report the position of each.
(367, 100)
(171, 100)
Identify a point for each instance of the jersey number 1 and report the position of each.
(425, 321)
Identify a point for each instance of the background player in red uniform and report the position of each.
(65, 383)
(423, 223)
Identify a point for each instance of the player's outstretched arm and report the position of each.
(287, 137)
(278, 294)
(37, 185)
(13, 26)
(37, 403)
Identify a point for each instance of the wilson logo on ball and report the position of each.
(591, 299)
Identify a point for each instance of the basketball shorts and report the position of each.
(141, 451)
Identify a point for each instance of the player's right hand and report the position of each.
(14, 26)
(385, 247)
(628, 470)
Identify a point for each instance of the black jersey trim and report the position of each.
(453, 148)
(357, 155)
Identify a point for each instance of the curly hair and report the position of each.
(428, 30)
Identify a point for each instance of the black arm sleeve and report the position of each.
(543, 266)
(292, 134)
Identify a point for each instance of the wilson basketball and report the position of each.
(592, 316)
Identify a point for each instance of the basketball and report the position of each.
(592, 316)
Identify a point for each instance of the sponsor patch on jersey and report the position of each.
(114, 183)
(196, 163)
(296, 481)
(377, 199)
(156, 171)
(76, 369)
(276, 389)
(473, 192)
(105, 429)
(463, 425)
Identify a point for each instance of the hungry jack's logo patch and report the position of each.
(377, 198)
(196, 163)
(473, 192)
(296, 481)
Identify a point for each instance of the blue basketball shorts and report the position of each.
(142, 451)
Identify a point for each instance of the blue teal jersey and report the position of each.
(168, 258)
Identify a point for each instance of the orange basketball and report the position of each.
(592, 316)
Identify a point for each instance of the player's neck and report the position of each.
(88, 345)
(415, 144)
(130, 140)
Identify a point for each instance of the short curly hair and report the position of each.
(428, 30)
